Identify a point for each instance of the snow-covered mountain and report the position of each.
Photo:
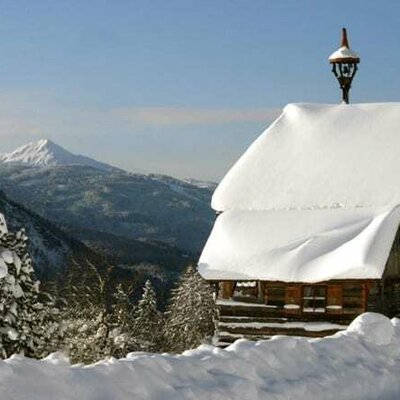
(45, 153)
(146, 225)
(80, 193)
(141, 207)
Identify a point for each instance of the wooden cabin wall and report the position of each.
(392, 269)
(345, 299)
(395, 300)
(226, 289)
(341, 298)
(385, 296)
(257, 310)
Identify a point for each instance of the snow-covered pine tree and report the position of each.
(98, 324)
(148, 321)
(122, 323)
(29, 319)
(86, 316)
(190, 314)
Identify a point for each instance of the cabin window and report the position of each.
(314, 299)
(245, 289)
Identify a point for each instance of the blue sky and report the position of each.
(179, 87)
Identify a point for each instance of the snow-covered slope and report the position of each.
(47, 153)
(362, 362)
(51, 248)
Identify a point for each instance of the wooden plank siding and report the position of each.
(271, 308)
(227, 289)
(352, 296)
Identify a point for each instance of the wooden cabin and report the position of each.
(261, 309)
(307, 233)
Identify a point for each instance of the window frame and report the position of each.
(314, 299)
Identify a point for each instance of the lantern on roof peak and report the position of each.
(344, 66)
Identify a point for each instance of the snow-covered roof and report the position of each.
(314, 198)
(343, 54)
(319, 156)
(300, 245)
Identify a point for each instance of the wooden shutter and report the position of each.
(292, 295)
(335, 295)
(292, 299)
(227, 289)
(335, 299)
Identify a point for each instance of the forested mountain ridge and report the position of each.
(51, 248)
(135, 206)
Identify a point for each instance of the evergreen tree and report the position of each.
(190, 314)
(147, 321)
(98, 324)
(122, 323)
(86, 317)
(29, 321)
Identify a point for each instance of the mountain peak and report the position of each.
(45, 152)
(45, 142)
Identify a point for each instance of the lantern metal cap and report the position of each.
(344, 54)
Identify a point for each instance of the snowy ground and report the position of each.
(362, 362)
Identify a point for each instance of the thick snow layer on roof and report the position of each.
(362, 362)
(343, 53)
(300, 245)
(319, 156)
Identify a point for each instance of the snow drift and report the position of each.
(362, 362)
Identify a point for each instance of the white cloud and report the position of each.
(26, 116)
(193, 116)
(130, 137)
(19, 117)
(35, 114)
